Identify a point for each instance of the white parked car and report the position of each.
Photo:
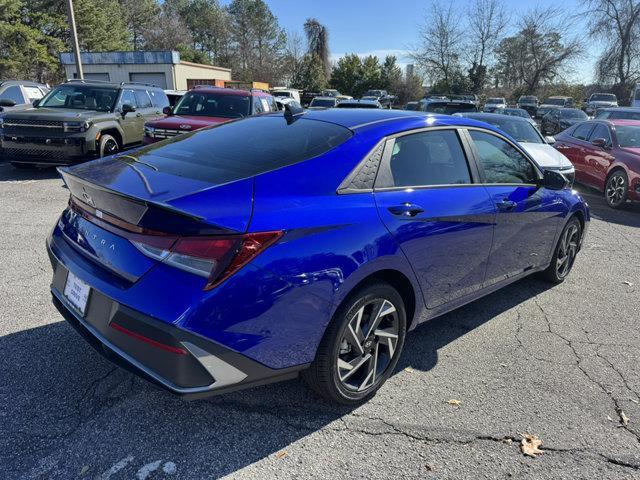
(282, 92)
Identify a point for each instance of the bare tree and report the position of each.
(617, 24)
(438, 53)
(487, 23)
(318, 41)
(538, 53)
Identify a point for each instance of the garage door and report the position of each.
(159, 79)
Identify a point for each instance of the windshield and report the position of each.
(357, 105)
(323, 102)
(628, 136)
(555, 101)
(411, 106)
(81, 97)
(603, 97)
(282, 94)
(222, 154)
(573, 113)
(496, 100)
(528, 100)
(330, 93)
(207, 104)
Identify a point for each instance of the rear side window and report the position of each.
(501, 161)
(581, 132)
(143, 99)
(428, 158)
(158, 98)
(243, 148)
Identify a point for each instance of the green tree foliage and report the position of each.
(318, 43)
(310, 75)
(101, 25)
(390, 73)
(139, 16)
(28, 43)
(353, 75)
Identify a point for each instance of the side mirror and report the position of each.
(167, 111)
(550, 140)
(554, 180)
(599, 142)
(127, 108)
(5, 102)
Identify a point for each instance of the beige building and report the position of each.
(164, 69)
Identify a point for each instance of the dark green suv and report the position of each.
(79, 120)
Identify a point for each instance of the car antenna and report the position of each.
(292, 111)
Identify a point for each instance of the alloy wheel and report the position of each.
(615, 190)
(567, 250)
(110, 147)
(368, 345)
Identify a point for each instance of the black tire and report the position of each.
(616, 190)
(377, 353)
(108, 146)
(565, 252)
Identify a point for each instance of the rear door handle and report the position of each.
(506, 205)
(406, 210)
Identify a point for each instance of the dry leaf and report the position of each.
(507, 441)
(84, 470)
(634, 400)
(430, 467)
(453, 401)
(281, 454)
(503, 365)
(609, 418)
(529, 445)
(624, 420)
(626, 282)
(408, 369)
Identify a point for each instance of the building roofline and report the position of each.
(202, 65)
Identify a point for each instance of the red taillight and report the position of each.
(150, 341)
(215, 258)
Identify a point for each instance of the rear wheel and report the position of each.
(361, 346)
(565, 252)
(108, 146)
(616, 190)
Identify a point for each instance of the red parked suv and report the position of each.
(203, 106)
(606, 155)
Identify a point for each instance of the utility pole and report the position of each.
(74, 39)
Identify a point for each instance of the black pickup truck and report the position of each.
(382, 96)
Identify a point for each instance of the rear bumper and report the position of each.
(204, 368)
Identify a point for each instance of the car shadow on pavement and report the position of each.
(63, 402)
(9, 173)
(628, 215)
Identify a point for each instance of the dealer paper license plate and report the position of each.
(77, 292)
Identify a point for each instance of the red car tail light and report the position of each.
(215, 258)
(150, 341)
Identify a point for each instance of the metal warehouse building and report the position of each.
(164, 69)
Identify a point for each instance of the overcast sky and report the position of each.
(382, 27)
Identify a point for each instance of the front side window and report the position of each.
(428, 158)
(128, 98)
(158, 98)
(573, 113)
(142, 99)
(581, 132)
(208, 104)
(81, 97)
(501, 161)
(13, 93)
(600, 131)
(628, 136)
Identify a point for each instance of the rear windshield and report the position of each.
(448, 108)
(356, 105)
(603, 97)
(555, 101)
(572, 113)
(205, 104)
(528, 99)
(619, 114)
(282, 94)
(242, 149)
(495, 100)
(323, 102)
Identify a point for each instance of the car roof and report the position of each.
(620, 121)
(27, 83)
(620, 109)
(391, 120)
(223, 90)
(320, 97)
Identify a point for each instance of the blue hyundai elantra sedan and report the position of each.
(300, 244)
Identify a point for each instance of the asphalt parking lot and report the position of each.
(561, 363)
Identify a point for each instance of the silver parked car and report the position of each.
(20, 94)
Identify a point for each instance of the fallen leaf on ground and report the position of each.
(529, 445)
(408, 369)
(507, 441)
(634, 400)
(626, 282)
(503, 365)
(281, 454)
(624, 420)
(84, 470)
(453, 401)
(430, 467)
(609, 418)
